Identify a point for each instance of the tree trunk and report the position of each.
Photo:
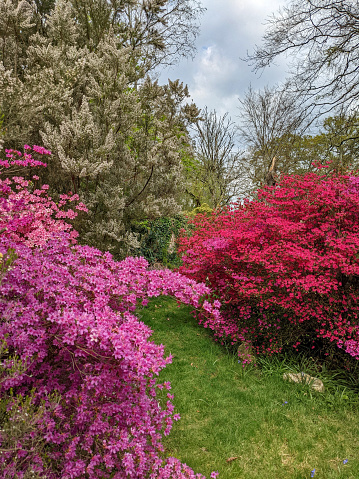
(270, 180)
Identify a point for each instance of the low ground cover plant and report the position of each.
(285, 266)
(74, 357)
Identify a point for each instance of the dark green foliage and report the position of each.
(156, 238)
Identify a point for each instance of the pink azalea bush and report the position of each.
(30, 216)
(285, 266)
(78, 369)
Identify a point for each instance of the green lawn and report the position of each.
(249, 423)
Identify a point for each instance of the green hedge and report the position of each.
(155, 239)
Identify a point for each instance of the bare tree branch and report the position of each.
(219, 160)
(322, 39)
(267, 118)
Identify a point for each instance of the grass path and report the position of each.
(249, 424)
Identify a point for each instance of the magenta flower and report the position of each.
(68, 310)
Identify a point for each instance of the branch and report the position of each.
(270, 181)
(143, 189)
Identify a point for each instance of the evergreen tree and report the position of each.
(74, 77)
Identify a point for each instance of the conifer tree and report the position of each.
(75, 77)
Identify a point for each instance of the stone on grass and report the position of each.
(304, 378)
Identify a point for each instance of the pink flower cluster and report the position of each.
(285, 266)
(28, 214)
(15, 158)
(68, 314)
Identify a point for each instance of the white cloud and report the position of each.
(217, 76)
(213, 79)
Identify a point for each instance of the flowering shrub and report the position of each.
(28, 216)
(285, 266)
(88, 375)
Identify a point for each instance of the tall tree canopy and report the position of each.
(266, 119)
(321, 37)
(335, 144)
(73, 77)
(215, 173)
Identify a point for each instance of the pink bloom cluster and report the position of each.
(285, 266)
(67, 312)
(30, 216)
(16, 158)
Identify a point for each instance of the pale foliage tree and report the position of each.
(79, 87)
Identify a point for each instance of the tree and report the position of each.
(163, 30)
(321, 37)
(16, 24)
(216, 172)
(298, 151)
(116, 142)
(341, 133)
(267, 118)
(334, 144)
(155, 32)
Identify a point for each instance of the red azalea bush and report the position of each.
(285, 266)
(77, 360)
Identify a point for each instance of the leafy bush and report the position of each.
(204, 209)
(88, 374)
(29, 215)
(156, 237)
(285, 266)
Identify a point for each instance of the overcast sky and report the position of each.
(217, 77)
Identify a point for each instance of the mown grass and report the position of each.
(247, 422)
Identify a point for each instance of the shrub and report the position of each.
(28, 214)
(285, 266)
(204, 209)
(88, 368)
(156, 239)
